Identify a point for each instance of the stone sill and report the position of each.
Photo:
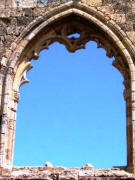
(61, 173)
(80, 178)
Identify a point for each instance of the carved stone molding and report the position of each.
(75, 33)
(15, 96)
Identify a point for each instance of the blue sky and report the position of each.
(72, 112)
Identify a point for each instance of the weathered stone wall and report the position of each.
(61, 173)
(14, 21)
(19, 25)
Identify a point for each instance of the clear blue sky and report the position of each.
(72, 112)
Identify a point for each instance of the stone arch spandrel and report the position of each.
(63, 10)
(19, 59)
(121, 12)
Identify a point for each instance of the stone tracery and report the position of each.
(61, 34)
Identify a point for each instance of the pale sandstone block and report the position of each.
(119, 18)
(92, 2)
(133, 7)
(131, 36)
(133, 96)
(133, 85)
(133, 75)
(133, 118)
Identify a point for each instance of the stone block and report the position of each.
(92, 2)
(131, 35)
(133, 7)
(119, 18)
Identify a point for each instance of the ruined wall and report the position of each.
(14, 21)
(19, 19)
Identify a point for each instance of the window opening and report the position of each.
(72, 112)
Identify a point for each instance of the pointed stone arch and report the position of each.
(56, 25)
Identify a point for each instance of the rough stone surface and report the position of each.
(14, 21)
(62, 173)
(27, 27)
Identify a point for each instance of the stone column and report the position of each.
(3, 119)
(133, 118)
(5, 168)
(4, 123)
(14, 98)
(127, 96)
